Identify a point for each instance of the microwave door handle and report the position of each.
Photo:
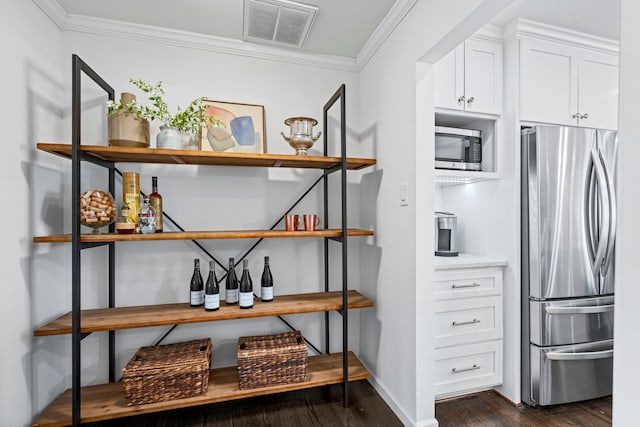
(602, 186)
(612, 211)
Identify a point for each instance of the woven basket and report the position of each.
(268, 360)
(167, 372)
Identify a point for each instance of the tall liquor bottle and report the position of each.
(211, 290)
(246, 286)
(231, 294)
(197, 286)
(266, 283)
(155, 199)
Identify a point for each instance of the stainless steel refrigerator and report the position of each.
(568, 266)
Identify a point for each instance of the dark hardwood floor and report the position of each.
(490, 410)
(320, 406)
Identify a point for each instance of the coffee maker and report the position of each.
(445, 224)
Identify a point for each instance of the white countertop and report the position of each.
(466, 261)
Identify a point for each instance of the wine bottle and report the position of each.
(266, 283)
(246, 286)
(155, 199)
(212, 290)
(231, 295)
(197, 288)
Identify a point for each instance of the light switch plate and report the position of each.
(404, 194)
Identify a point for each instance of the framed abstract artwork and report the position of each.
(241, 128)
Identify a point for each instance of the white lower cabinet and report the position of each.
(469, 329)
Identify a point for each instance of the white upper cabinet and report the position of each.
(470, 78)
(566, 85)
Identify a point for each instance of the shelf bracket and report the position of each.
(89, 245)
(95, 160)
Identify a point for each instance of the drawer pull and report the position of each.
(472, 368)
(468, 322)
(472, 285)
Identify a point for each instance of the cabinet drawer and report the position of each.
(467, 368)
(468, 320)
(467, 283)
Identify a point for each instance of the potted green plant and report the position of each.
(180, 130)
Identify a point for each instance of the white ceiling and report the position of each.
(342, 27)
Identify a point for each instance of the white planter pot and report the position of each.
(171, 138)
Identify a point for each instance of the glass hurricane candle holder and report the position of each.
(97, 209)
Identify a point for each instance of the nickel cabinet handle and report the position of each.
(576, 116)
(472, 368)
(470, 100)
(471, 285)
(468, 322)
(584, 116)
(461, 99)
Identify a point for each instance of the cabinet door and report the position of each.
(548, 82)
(483, 76)
(449, 80)
(598, 90)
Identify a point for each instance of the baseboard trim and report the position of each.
(506, 399)
(476, 393)
(397, 409)
(428, 423)
(386, 396)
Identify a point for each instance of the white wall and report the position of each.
(627, 316)
(30, 87)
(397, 336)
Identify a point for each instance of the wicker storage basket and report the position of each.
(167, 372)
(268, 360)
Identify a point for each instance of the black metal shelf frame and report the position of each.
(79, 68)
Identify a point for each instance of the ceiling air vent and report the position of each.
(278, 22)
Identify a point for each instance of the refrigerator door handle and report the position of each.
(611, 195)
(602, 185)
(593, 309)
(589, 355)
(590, 210)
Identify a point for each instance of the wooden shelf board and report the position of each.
(201, 235)
(111, 319)
(207, 158)
(106, 401)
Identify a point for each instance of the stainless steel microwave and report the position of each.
(458, 148)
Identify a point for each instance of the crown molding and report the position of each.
(523, 28)
(389, 23)
(53, 10)
(489, 33)
(148, 33)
